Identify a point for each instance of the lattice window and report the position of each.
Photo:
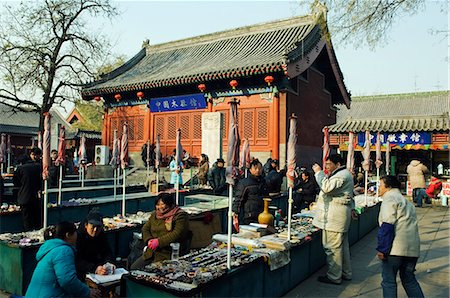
(185, 126)
(197, 127)
(171, 127)
(159, 127)
(140, 128)
(114, 123)
(224, 124)
(131, 129)
(247, 124)
(262, 124)
(120, 129)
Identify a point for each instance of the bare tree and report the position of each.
(47, 51)
(365, 21)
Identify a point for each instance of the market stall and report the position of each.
(18, 251)
(204, 273)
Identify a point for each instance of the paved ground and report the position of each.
(432, 268)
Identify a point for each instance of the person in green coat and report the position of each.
(55, 274)
(167, 224)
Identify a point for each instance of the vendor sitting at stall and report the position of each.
(93, 250)
(167, 224)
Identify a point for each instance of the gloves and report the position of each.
(153, 244)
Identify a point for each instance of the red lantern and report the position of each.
(97, 98)
(233, 84)
(118, 97)
(201, 87)
(268, 80)
(140, 95)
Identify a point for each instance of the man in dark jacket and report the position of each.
(217, 178)
(28, 180)
(305, 191)
(93, 250)
(274, 178)
(250, 193)
(53, 170)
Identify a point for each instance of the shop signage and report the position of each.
(178, 103)
(398, 138)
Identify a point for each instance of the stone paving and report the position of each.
(432, 269)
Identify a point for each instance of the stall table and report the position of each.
(256, 279)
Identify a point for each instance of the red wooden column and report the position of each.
(276, 128)
(105, 128)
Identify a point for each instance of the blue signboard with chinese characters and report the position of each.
(398, 138)
(177, 103)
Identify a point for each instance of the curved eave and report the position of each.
(426, 124)
(197, 78)
(338, 74)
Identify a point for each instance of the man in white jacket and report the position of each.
(334, 210)
(398, 240)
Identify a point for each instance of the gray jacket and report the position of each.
(335, 202)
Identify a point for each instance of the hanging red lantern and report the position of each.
(140, 95)
(233, 84)
(201, 87)
(268, 80)
(118, 97)
(97, 98)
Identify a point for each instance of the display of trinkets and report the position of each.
(5, 208)
(116, 222)
(24, 239)
(194, 269)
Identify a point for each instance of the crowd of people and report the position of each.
(69, 253)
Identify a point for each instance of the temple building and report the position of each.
(274, 69)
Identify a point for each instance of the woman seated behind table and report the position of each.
(167, 224)
(93, 250)
(55, 274)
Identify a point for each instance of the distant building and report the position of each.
(281, 67)
(23, 127)
(416, 125)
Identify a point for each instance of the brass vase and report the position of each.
(266, 217)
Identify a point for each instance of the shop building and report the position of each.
(416, 125)
(275, 69)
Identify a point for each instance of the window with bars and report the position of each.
(185, 126)
(136, 128)
(171, 127)
(263, 123)
(247, 124)
(159, 126)
(140, 128)
(197, 127)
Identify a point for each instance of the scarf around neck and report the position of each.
(168, 216)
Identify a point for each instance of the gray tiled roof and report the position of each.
(262, 48)
(426, 111)
(89, 134)
(17, 118)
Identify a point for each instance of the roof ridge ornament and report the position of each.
(146, 43)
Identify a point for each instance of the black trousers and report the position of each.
(32, 215)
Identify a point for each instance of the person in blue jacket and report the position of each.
(55, 274)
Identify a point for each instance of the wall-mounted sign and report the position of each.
(398, 138)
(177, 103)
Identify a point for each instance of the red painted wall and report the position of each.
(313, 108)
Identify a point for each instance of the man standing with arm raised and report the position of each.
(335, 208)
